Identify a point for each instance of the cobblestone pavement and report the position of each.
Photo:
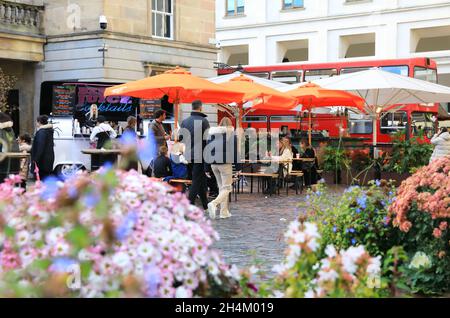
(257, 228)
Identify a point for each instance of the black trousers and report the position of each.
(199, 184)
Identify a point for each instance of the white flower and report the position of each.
(54, 235)
(310, 294)
(234, 272)
(348, 265)
(375, 266)
(22, 238)
(279, 268)
(122, 260)
(330, 251)
(419, 260)
(253, 270)
(299, 237)
(295, 251)
(311, 230)
(145, 250)
(181, 292)
(330, 276)
(278, 294)
(313, 245)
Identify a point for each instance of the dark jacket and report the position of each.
(162, 167)
(42, 152)
(223, 147)
(197, 143)
(159, 133)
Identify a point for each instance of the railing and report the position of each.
(22, 18)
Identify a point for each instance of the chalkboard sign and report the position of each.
(63, 100)
(148, 107)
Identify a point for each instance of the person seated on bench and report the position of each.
(162, 166)
(309, 168)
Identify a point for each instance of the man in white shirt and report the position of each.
(102, 132)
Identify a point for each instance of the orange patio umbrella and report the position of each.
(180, 86)
(263, 97)
(313, 96)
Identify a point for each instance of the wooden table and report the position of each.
(101, 153)
(16, 155)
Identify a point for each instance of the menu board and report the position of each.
(63, 100)
(147, 107)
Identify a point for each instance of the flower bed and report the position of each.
(422, 213)
(111, 234)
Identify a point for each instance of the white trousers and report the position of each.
(224, 177)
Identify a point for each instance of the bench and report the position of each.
(183, 182)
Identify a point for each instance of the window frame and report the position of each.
(417, 67)
(362, 120)
(165, 14)
(293, 7)
(299, 76)
(235, 12)
(389, 130)
(333, 70)
(248, 119)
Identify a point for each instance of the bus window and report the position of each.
(425, 74)
(260, 75)
(312, 75)
(287, 77)
(353, 70)
(362, 126)
(283, 119)
(254, 119)
(400, 70)
(422, 124)
(393, 122)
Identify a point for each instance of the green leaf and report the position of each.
(42, 264)
(9, 231)
(85, 268)
(79, 237)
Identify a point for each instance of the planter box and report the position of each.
(397, 177)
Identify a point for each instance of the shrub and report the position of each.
(421, 211)
(123, 233)
(357, 217)
(408, 155)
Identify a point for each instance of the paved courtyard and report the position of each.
(257, 227)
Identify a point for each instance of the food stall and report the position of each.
(74, 108)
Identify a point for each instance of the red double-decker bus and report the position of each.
(413, 117)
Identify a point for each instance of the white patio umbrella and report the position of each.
(383, 90)
(258, 80)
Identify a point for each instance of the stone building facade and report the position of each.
(66, 43)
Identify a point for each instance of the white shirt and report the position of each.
(103, 128)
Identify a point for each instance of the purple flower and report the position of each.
(72, 192)
(51, 188)
(91, 200)
(362, 201)
(147, 149)
(358, 210)
(62, 264)
(126, 227)
(378, 183)
(351, 230)
(353, 241)
(334, 229)
(152, 279)
(105, 168)
(128, 139)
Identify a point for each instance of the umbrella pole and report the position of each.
(309, 128)
(374, 137)
(175, 108)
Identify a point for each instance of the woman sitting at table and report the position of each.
(283, 162)
(309, 168)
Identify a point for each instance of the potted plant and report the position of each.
(335, 160)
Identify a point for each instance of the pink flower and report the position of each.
(437, 233)
(443, 226)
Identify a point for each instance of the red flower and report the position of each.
(405, 226)
(437, 233)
